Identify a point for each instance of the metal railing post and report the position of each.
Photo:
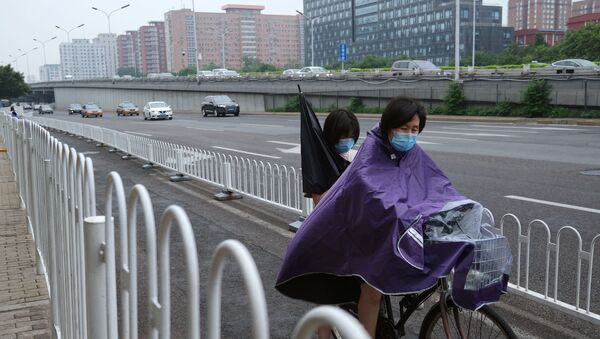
(95, 276)
(179, 165)
(227, 192)
(150, 162)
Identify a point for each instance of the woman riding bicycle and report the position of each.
(365, 237)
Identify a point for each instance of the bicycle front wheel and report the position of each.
(483, 323)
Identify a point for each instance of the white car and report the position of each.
(313, 71)
(157, 110)
(206, 75)
(570, 65)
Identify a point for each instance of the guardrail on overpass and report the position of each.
(77, 253)
(260, 94)
(269, 185)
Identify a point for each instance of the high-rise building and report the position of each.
(585, 7)
(50, 72)
(128, 51)
(422, 29)
(225, 39)
(533, 17)
(108, 43)
(152, 47)
(83, 60)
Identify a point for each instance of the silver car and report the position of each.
(570, 65)
(313, 71)
(415, 67)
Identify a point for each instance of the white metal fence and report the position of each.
(258, 179)
(279, 185)
(77, 253)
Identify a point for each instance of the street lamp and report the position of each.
(25, 53)
(225, 31)
(473, 55)
(457, 41)
(44, 46)
(109, 14)
(15, 60)
(312, 35)
(69, 31)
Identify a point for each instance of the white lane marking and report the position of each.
(139, 133)
(449, 138)
(293, 150)
(496, 130)
(475, 134)
(207, 129)
(534, 128)
(551, 203)
(246, 152)
(283, 143)
(278, 126)
(421, 142)
(89, 152)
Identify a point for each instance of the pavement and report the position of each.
(24, 301)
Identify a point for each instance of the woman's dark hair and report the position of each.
(339, 124)
(399, 111)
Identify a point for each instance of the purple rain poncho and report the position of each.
(369, 227)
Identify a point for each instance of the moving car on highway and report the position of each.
(75, 108)
(415, 67)
(290, 73)
(157, 110)
(45, 109)
(313, 71)
(206, 75)
(127, 108)
(571, 65)
(92, 110)
(219, 105)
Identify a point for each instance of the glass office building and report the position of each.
(421, 29)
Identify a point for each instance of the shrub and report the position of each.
(293, 104)
(591, 115)
(536, 98)
(436, 110)
(504, 108)
(454, 99)
(356, 105)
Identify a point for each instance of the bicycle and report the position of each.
(444, 320)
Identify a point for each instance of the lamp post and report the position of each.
(225, 31)
(473, 55)
(15, 60)
(26, 54)
(195, 51)
(69, 31)
(109, 14)
(312, 35)
(457, 41)
(43, 43)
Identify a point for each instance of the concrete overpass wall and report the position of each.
(264, 95)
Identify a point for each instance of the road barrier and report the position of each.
(77, 253)
(68, 184)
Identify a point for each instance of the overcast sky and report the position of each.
(24, 20)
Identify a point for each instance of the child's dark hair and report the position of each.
(339, 124)
(399, 111)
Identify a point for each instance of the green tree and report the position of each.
(190, 70)
(210, 66)
(253, 65)
(454, 99)
(583, 43)
(539, 40)
(536, 98)
(126, 71)
(12, 83)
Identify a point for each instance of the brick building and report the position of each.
(585, 7)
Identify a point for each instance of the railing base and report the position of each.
(128, 157)
(225, 195)
(112, 150)
(100, 144)
(179, 177)
(295, 226)
(148, 165)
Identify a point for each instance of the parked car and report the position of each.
(27, 107)
(205, 75)
(75, 108)
(313, 71)
(45, 109)
(290, 73)
(218, 71)
(219, 105)
(228, 74)
(570, 65)
(415, 67)
(4, 103)
(127, 108)
(36, 107)
(94, 110)
(157, 110)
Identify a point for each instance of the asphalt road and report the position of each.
(532, 171)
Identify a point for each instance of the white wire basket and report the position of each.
(491, 260)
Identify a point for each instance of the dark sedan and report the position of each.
(220, 105)
(75, 108)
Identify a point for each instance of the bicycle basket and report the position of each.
(492, 259)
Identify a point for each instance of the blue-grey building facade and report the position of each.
(422, 29)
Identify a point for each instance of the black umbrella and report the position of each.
(321, 166)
